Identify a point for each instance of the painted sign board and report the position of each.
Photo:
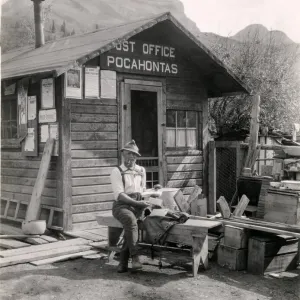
(141, 57)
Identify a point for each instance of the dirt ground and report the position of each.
(98, 279)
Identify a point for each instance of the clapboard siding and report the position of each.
(19, 174)
(94, 144)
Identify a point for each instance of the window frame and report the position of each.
(185, 128)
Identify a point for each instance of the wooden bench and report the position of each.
(193, 233)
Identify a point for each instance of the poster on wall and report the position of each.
(92, 84)
(29, 141)
(108, 84)
(73, 83)
(44, 133)
(22, 102)
(47, 116)
(47, 98)
(31, 108)
(53, 133)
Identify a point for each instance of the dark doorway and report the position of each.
(144, 122)
(144, 131)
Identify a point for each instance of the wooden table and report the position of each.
(193, 233)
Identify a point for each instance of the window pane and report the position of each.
(170, 137)
(191, 119)
(171, 118)
(180, 141)
(191, 135)
(181, 119)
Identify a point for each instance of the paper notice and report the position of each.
(22, 103)
(29, 141)
(47, 116)
(53, 133)
(48, 93)
(92, 84)
(108, 84)
(31, 108)
(44, 133)
(74, 83)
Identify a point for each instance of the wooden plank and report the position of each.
(84, 199)
(26, 181)
(25, 198)
(94, 145)
(200, 252)
(184, 159)
(89, 162)
(25, 164)
(240, 208)
(85, 217)
(93, 118)
(236, 237)
(184, 175)
(62, 258)
(91, 189)
(93, 136)
(181, 202)
(29, 173)
(25, 189)
(194, 195)
(36, 241)
(224, 207)
(91, 127)
(262, 228)
(12, 244)
(94, 153)
(188, 152)
(97, 102)
(93, 109)
(29, 257)
(48, 238)
(91, 171)
(85, 225)
(79, 181)
(184, 167)
(184, 183)
(91, 207)
(45, 247)
(281, 263)
(85, 234)
(212, 179)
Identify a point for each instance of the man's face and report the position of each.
(129, 158)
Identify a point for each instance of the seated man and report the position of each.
(128, 182)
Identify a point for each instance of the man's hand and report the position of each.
(143, 204)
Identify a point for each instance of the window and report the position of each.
(181, 129)
(9, 113)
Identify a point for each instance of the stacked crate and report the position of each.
(232, 253)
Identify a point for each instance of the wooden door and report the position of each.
(142, 119)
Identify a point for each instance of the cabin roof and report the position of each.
(61, 55)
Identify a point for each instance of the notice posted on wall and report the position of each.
(31, 108)
(44, 133)
(29, 141)
(92, 82)
(108, 84)
(22, 103)
(47, 93)
(73, 83)
(47, 116)
(53, 133)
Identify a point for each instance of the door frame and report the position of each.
(125, 110)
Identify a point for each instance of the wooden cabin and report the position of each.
(149, 80)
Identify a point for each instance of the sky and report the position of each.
(227, 17)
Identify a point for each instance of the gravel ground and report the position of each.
(97, 279)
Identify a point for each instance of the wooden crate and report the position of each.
(282, 206)
(272, 254)
(233, 259)
(236, 237)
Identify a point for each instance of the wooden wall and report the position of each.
(19, 173)
(185, 167)
(94, 150)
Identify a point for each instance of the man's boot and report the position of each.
(136, 264)
(123, 265)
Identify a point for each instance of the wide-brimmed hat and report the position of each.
(132, 147)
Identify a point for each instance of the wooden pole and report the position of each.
(38, 23)
(33, 209)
